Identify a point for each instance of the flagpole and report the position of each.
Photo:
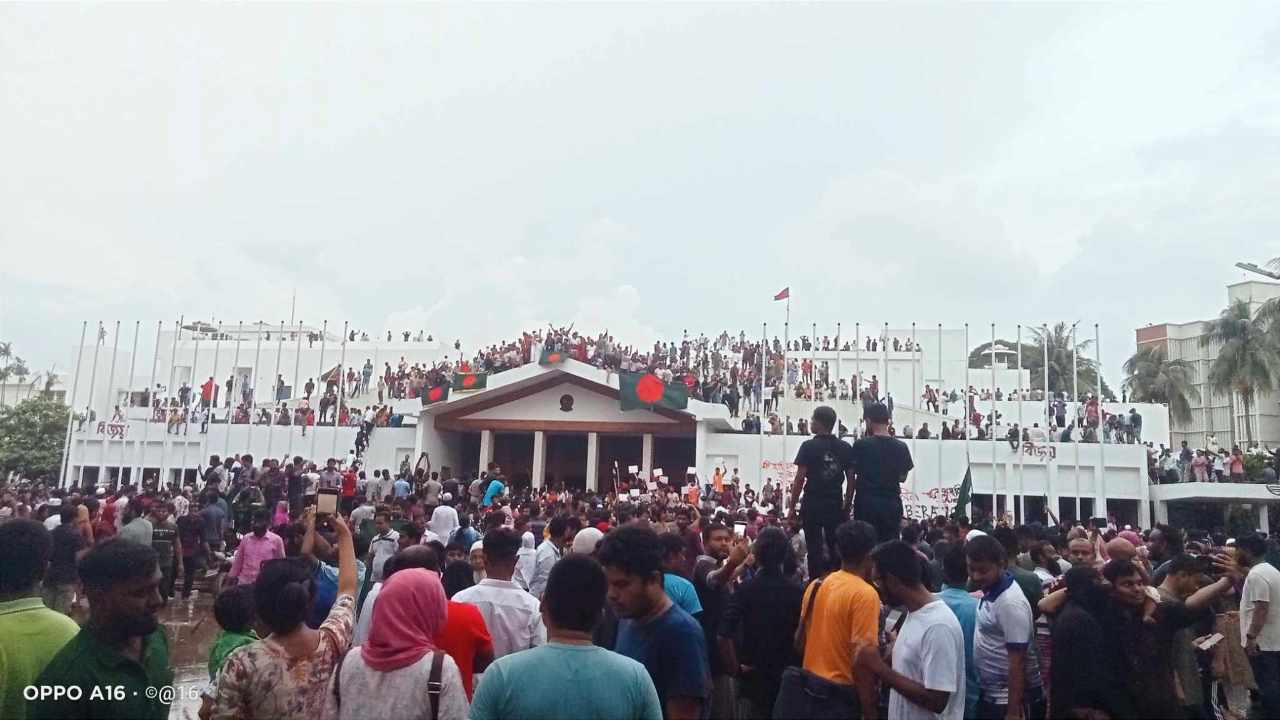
(915, 400)
(813, 369)
(1075, 407)
(764, 344)
(992, 433)
(186, 420)
(275, 392)
(107, 405)
(235, 387)
(93, 382)
(324, 332)
(1100, 489)
(856, 390)
(884, 353)
(297, 383)
(128, 403)
(1022, 479)
(213, 391)
(967, 418)
(173, 362)
(151, 400)
(838, 368)
(941, 399)
(253, 388)
(71, 407)
(342, 389)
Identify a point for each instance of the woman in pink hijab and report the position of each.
(281, 515)
(390, 674)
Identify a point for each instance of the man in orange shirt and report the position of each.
(845, 615)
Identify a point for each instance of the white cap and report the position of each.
(973, 534)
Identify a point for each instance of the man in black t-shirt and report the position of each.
(822, 465)
(880, 465)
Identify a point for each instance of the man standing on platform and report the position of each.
(880, 465)
(822, 464)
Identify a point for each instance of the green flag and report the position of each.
(645, 390)
(966, 493)
(470, 381)
(552, 357)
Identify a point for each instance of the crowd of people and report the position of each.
(413, 595)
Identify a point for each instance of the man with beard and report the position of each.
(121, 655)
(256, 548)
(927, 675)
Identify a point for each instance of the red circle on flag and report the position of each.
(435, 393)
(553, 357)
(649, 389)
(468, 381)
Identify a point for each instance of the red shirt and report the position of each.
(349, 484)
(464, 633)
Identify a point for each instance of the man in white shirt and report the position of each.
(560, 535)
(384, 544)
(55, 519)
(1002, 635)
(1260, 619)
(512, 615)
(927, 678)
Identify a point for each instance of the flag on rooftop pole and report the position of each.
(470, 381)
(785, 294)
(644, 390)
(551, 357)
(436, 394)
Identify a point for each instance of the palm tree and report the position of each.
(1246, 363)
(1061, 350)
(1150, 376)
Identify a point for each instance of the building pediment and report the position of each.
(558, 401)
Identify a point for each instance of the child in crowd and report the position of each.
(234, 611)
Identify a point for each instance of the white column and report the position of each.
(593, 461)
(646, 457)
(1162, 511)
(1144, 513)
(486, 450)
(1264, 523)
(539, 459)
(700, 451)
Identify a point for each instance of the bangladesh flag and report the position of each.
(966, 493)
(436, 394)
(552, 357)
(646, 390)
(470, 381)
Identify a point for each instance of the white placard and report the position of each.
(693, 470)
(653, 486)
(633, 469)
(657, 472)
(635, 492)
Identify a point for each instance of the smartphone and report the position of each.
(327, 501)
(1099, 523)
(1210, 641)
(740, 529)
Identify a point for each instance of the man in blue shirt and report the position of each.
(652, 629)
(496, 486)
(955, 577)
(401, 487)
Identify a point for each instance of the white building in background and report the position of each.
(563, 424)
(1215, 413)
(15, 390)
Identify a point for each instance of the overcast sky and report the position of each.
(478, 169)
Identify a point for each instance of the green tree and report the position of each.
(1150, 376)
(11, 365)
(1246, 363)
(31, 437)
(1060, 352)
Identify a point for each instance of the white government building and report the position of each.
(563, 424)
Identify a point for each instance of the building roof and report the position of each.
(532, 374)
